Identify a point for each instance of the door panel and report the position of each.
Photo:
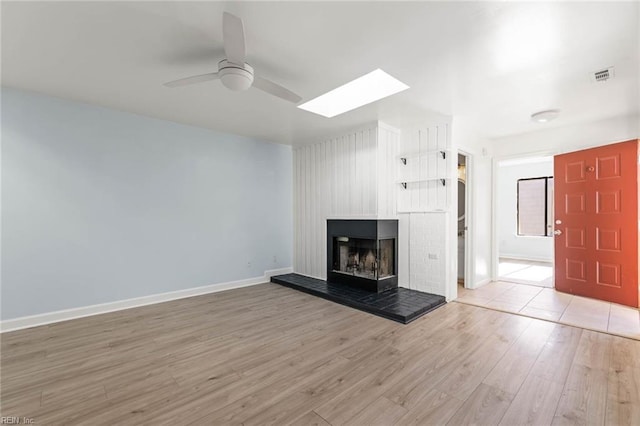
(608, 202)
(575, 171)
(576, 270)
(575, 203)
(608, 239)
(608, 274)
(608, 167)
(575, 238)
(596, 202)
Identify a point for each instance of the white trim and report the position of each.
(481, 283)
(525, 258)
(469, 253)
(451, 221)
(85, 311)
(495, 241)
(495, 245)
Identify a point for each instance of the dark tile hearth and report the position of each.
(399, 304)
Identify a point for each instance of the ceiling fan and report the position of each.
(233, 71)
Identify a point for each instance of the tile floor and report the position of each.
(547, 303)
(526, 272)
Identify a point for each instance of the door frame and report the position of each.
(452, 226)
(468, 214)
(495, 245)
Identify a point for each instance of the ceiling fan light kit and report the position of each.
(234, 72)
(235, 77)
(545, 116)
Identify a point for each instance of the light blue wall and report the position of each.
(100, 205)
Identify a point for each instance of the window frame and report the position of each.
(548, 215)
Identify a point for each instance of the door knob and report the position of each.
(558, 222)
(557, 232)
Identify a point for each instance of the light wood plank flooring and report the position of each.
(271, 355)
(552, 305)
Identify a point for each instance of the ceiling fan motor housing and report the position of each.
(235, 77)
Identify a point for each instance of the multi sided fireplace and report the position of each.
(363, 253)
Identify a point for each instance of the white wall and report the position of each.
(512, 245)
(480, 224)
(428, 257)
(351, 176)
(479, 219)
(100, 206)
(568, 138)
(427, 252)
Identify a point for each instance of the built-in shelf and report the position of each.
(404, 183)
(421, 154)
(424, 172)
(422, 210)
(404, 157)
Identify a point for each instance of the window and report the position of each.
(535, 207)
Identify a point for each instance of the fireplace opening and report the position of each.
(364, 258)
(363, 253)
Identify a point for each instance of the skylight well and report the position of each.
(362, 91)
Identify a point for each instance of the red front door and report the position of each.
(596, 215)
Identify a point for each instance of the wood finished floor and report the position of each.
(272, 355)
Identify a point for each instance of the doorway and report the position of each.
(524, 221)
(463, 217)
(596, 244)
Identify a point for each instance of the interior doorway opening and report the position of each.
(463, 207)
(524, 221)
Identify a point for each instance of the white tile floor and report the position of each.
(549, 304)
(526, 272)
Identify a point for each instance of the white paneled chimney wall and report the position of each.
(425, 172)
(365, 174)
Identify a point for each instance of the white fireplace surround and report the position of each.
(355, 176)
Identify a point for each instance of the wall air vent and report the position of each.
(603, 75)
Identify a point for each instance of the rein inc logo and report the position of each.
(15, 420)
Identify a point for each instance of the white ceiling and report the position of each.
(490, 64)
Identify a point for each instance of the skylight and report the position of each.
(361, 91)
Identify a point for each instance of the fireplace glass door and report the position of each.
(364, 258)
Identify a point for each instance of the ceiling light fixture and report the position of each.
(361, 91)
(545, 116)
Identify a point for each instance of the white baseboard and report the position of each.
(526, 258)
(481, 283)
(85, 311)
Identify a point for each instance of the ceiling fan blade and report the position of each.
(193, 80)
(275, 89)
(233, 35)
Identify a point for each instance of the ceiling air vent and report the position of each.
(603, 75)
